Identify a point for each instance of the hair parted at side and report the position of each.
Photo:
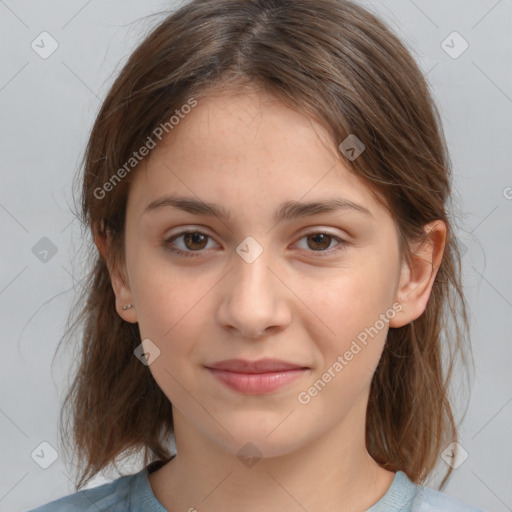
(339, 64)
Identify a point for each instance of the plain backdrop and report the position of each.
(47, 109)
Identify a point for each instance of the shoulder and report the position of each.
(430, 500)
(112, 497)
(408, 496)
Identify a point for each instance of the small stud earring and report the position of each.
(128, 306)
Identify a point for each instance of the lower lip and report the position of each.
(257, 383)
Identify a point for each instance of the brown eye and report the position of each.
(195, 241)
(190, 242)
(319, 241)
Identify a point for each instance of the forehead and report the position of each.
(246, 146)
(244, 126)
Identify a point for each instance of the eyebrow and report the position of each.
(287, 211)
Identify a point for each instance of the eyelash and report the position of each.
(192, 254)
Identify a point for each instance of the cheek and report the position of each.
(164, 293)
(353, 309)
(173, 308)
(349, 353)
(172, 316)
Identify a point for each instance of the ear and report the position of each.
(417, 277)
(120, 283)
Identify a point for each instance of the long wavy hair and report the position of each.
(342, 66)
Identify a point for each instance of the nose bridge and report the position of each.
(252, 274)
(254, 300)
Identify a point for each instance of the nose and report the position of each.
(254, 298)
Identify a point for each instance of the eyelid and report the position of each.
(310, 230)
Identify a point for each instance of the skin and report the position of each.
(249, 153)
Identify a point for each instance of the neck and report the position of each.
(332, 473)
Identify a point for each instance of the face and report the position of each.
(316, 291)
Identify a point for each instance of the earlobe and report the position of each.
(124, 298)
(417, 276)
(120, 286)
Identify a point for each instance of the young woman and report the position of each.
(276, 285)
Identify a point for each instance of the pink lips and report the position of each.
(256, 377)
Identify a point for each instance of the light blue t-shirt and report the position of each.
(133, 493)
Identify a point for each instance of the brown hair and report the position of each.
(340, 65)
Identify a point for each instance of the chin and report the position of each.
(253, 441)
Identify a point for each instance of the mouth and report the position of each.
(256, 377)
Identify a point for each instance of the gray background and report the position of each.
(48, 106)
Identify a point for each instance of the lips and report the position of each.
(256, 377)
(261, 366)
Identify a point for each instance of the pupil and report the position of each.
(323, 236)
(196, 238)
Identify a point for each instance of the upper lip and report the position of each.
(260, 366)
